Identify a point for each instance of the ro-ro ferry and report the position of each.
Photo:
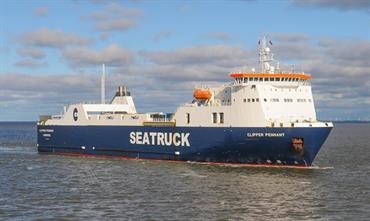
(265, 118)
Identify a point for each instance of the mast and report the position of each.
(265, 56)
(102, 86)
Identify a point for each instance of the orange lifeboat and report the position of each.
(202, 94)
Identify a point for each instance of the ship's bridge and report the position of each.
(242, 78)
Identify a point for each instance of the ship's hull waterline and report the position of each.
(258, 145)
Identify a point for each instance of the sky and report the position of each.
(51, 52)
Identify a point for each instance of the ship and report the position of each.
(264, 117)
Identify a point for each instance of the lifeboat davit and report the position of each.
(202, 94)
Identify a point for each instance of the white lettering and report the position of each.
(160, 139)
(265, 134)
(176, 139)
(153, 135)
(274, 134)
(168, 139)
(184, 139)
(255, 134)
(132, 138)
(146, 139)
(139, 137)
(46, 130)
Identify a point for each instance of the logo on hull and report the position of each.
(75, 114)
(160, 138)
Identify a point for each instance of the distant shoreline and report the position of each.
(340, 121)
(351, 121)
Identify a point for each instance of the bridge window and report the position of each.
(214, 117)
(288, 100)
(187, 118)
(221, 118)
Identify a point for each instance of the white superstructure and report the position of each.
(268, 98)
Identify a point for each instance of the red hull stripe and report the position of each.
(194, 162)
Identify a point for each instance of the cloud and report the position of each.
(228, 55)
(32, 52)
(112, 55)
(162, 80)
(340, 70)
(31, 63)
(289, 37)
(52, 83)
(41, 11)
(45, 37)
(344, 5)
(115, 25)
(223, 36)
(25, 97)
(114, 17)
(340, 78)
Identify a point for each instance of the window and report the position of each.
(257, 100)
(288, 100)
(221, 118)
(252, 99)
(187, 118)
(245, 100)
(214, 118)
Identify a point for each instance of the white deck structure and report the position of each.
(268, 98)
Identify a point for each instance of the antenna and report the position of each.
(265, 56)
(102, 86)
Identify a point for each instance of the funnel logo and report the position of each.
(75, 114)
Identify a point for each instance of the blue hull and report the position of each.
(202, 144)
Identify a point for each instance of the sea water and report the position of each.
(40, 186)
